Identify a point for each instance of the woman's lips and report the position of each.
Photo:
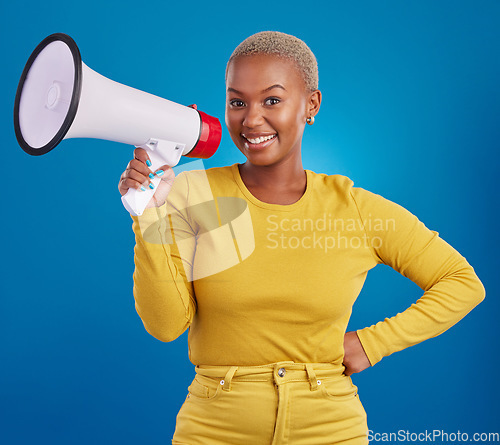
(259, 142)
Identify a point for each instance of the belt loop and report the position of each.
(226, 386)
(312, 377)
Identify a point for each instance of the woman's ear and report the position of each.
(313, 103)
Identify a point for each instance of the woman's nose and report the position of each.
(253, 117)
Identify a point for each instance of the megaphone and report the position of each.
(59, 97)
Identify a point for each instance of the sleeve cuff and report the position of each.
(370, 345)
(151, 214)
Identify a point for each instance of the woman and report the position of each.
(264, 260)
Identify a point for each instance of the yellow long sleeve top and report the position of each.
(257, 283)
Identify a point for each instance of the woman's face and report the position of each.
(266, 108)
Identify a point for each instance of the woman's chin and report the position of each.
(260, 158)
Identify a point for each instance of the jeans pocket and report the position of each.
(204, 389)
(338, 389)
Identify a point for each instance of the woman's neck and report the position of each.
(282, 183)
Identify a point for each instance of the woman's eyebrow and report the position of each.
(277, 85)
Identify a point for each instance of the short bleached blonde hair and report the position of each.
(282, 45)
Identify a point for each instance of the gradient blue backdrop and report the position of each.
(411, 110)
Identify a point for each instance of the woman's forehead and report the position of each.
(259, 72)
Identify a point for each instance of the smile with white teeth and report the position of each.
(259, 140)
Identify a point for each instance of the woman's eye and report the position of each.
(236, 103)
(272, 101)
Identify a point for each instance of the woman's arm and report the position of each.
(452, 288)
(163, 288)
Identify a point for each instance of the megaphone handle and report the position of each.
(160, 152)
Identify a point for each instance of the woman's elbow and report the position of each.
(481, 291)
(477, 289)
(164, 334)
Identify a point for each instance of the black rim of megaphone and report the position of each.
(75, 98)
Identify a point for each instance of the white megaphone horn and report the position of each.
(59, 97)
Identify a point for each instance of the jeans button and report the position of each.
(281, 372)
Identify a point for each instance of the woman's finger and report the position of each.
(142, 155)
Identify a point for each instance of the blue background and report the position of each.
(411, 111)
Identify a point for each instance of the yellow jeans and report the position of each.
(282, 403)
